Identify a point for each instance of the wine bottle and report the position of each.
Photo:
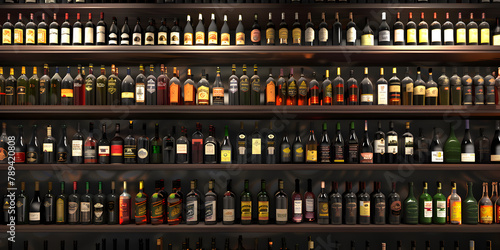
(211, 205)
(200, 31)
(41, 29)
(366, 90)
(103, 147)
(379, 145)
(53, 31)
(62, 148)
(467, 90)
(411, 31)
(482, 148)
(125, 33)
(263, 204)
(437, 154)
(394, 207)
(55, 88)
(140, 87)
(65, 31)
(489, 87)
(407, 88)
(382, 89)
(378, 205)
(101, 31)
(435, 31)
(10, 89)
(33, 88)
(455, 206)
(338, 89)
(399, 31)
(484, 30)
(175, 33)
(255, 32)
(112, 204)
(130, 147)
(478, 90)
(311, 148)
(113, 33)
(392, 145)
(485, 207)
(90, 87)
(99, 216)
(137, 34)
(367, 38)
(89, 31)
(32, 150)
(182, 148)
(351, 28)
(322, 208)
(197, 145)
(448, 30)
(364, 212)
(335, 205)
(228, 205)
(326, 89)
(303, 89)
(188, 32)
(472, 31)
(225, 37)
(338, 146)
(431, 91)
(155, 150)
(127, 90)
(410, 207)
(67, 85)
(86, 206)
(297, 203)
(256, 153)
(246, 205)
(324, 146)
(48, 206)
(296, 31)
(124, 206)
(35, 208)
(425, 210)
(270, 150)
(423, 31)
(292, 90)
(8, 32)
(113, 87)
(384, 32)
(495, 144)
(366, 152)
(62, 206)
(169, 147)
(226, 148)
(419, 90)
(90, 149)
(255, 87)
(19, 31)
(468, 151)
(439, 206)
(150, 33)
(281, 200)
(74, 206)
(456, 88)
(310, 203)
(496, 34)
(19, 147)
(337, 31)
(49, 147)
(443, 88)
(460, 31)
(242, 154)
(394, 88)
(323, 38)
(77, 147)
(352, 90)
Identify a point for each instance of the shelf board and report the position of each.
(246, 112)
(254, 228)
(262, 55)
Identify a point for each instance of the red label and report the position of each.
(314, 100)
(116, 150)
(498, 214)
(353, 98)
(340, 98)
(255, 35)
(327, 100)
(197, 141)
(19, 157)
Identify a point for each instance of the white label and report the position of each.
(437, 156)
(468, 157)
(427, 209)
(408, 145)
(103, 150)
(89, 35)
(175, 39)
(351, 35)
(392, 148)
(84, 207)
(47, 147)
(309, 35)
(125, 40)
(139, 93)
(193, 208)
(436, 35)
(281, 214)
(382, 94)
(384, 36)
(228, 215)
(441, 209)
(151, 86)
(65, 35)
(76, 147)
(210, 149)
(113, 39)
(34, 216)
(399, 35)
(323, 35)
(309, 205)
(233, 86)
(142, 153)
(297, 206)
(181, 148)
(149, 38)
(77, 35)
(379, 146)
(213, 216)
(136, 39)
(270, 150)
(101, 34)
(448, 35)
(162, 38)
(54, 36)
(366, 97)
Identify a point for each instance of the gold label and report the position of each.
(411, 36)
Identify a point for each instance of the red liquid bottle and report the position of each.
(162, 91)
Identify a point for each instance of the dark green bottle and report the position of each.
(425, 206)
(452, 148)
(470, 207)
(439, 206)
(263, 206)
(410, 207)
(246, 205)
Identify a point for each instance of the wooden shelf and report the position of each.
(246, 112)
(259, 167)
(254, 228)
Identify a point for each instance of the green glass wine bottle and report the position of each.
(439, 205)
(452, 148)
(410, 206)
(425, 206)
(470, 207)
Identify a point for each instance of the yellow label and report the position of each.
(283, 35)
(419, 90)
(203, 95)
(246, 210)
(225, 156)
(364, 208)
(240, 38)
(431, 92)
(42, 36)
(496, 40)
(270, 35)
(323, 209)
(456, 212)
(30, 36)
(297, 35)
(188, 38)
(485, 214)
(212, 38)
(423, 35)
(411, 36)
(67, 93)
(126, 95)
(485, 36)
(461, 35)
(200, 38)
(367, 39)
(409, 87)
(225, 39)
(256, 146)
(7, 36)
(312, 155)
(394, 88)
(18, 36)
(495, 158)
(473, 35)
(263, 210)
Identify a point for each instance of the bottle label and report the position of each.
(485, 36)
(364, 208)
(89, 35)
(351, 35)
(228, 214)
(85, 207)
(31, 157)
(351, 210)
(42, 36)
(441, 209)
(225, 156)
(323, 35)
(30, 36)
(283, 35)
(366, 157)
(140, 92)
(281, 214)
(149, 38)
(113, 39)
(496, 40)
(189, 93)
(240, 38)
(384, 36)
(339, 153)
(116, 150)
(303, 89)
(427, 209)
(142, 153)
(188, 38)
(336, 209)
(461, 35)
(473, 35)
(256, 146)
(68, 93)
(212, 37)
(125, 39)
(127, 95)
(396, 208)
(181, 148)
(225, 39)
(99, 210)
(380, 210)
(379, 146)
(246, 210)
(437, 156)
(325, 153)
(468, 157)
(72, 208)
(76, 147)
(151, 86)
(411, 35)
(312, 156)
(485, 214)
(309, 35)
(54, 36)
(255, 36)
(209, 149)
(19, 157)
(192, 211)
(6, 36)
(48, 147)
(323, 209)
(157, 209)
(129, 152)
(271, 92)
(495, 158)
(392, 144)
(162, 38)
(60, 211)
(431, 92)
(210, 211)
(409, 88)
(18, 36)
(136, 39)
(366, 97)
(399, 35)
(423, 36)
(297, 206)
(419, 90)
(174, 211)
(309, 205)
(34, 216)
(175, 38)
(436, 35)
(200, 38)
(448, 35)
(101, 34)
(408, 145)
(367, 40)
(65, 35)
(270, 36)
(382, 94)
(263, 210)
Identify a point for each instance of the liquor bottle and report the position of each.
(137, 34)
(326, 90)
(364, 205)
(218, 90)
(226, 148)
(382, 89)
(90, 149)
(240, 32)
(182, 148)
(62, 148)
(140, 87)
(175, 33)
(74, 206)
(150, 33)
(233, 87)
(324, 146)
(33, 91)
(379, 145)
(439, 206)
(143, 145)
(366, 90)
(410, 207)
(435, 31)
(48, 206)
(197, 145)
(203, 90)
(286, 151)
(431, 91)
(489, 88)
(124, 206)
(495, 144)
(211, 147)
(103, 147)
(378, 205)
(394, 207)
(163, 81)
(335, 205)
(394, 88)
(384, 32)
(19, 147)
(255, 88)
(256, 153)
(101, 31)
(200, 31)
(448, 30)
(125, 33)
(350, 208)
(437, 154)
(113, 87)
(496, 34)
(411, 31)
(189, 90)
(141, 206)
(399, 31)
(468, 151)
(246, 205)
(90, 87)
(310, 203)
(311, 148)
(113, 33)
(425, 210)
(127, 90)
(155, 150)
(367, 37)
(338, 89)
(392, 145)
(151, 95)
(444, 89)
(86, 206)
(323, 206)
(130, 146)
(169, 147)
(303, 89)
(419, 90)
(297, 203)
(210, 205)
(423, 31)
(67, 85)
(99, 216)
(467, 90)
(49, 147)
(35, 206)
(323, 31)
(298, 149)
(32, 150)
(292, 91)
(407, 88)
(89, 32)
(485, 207)
(283, 31)
(351, 28)
(112, 203)
(454, 203)
(482, 148)
(21, 206)
(157, 205)
(77, 147)
(54, 31)
(242, 157)
(263, 204)
(228, 205)
(366, 151)
(472, 31)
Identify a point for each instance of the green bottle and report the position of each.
(263, 206)
(22, 88)
(410, 207)
(470, 207)
(425, 206)
(439, 205)
(246, 205)
(452, 148)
